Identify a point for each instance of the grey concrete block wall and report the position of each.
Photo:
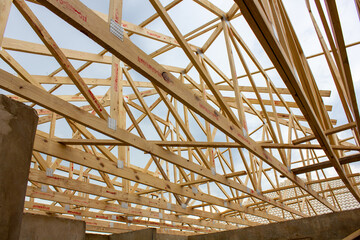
(161, 236)
(145, 234)
(127, 236)
(333, 226)
(18, 124)
(96, 237)
(51, 228)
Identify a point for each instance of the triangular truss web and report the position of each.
(188, 116)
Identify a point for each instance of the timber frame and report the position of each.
(224, 150)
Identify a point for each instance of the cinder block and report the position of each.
(18, 124)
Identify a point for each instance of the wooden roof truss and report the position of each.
(219, 149)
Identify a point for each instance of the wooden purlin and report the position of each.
(135, 58)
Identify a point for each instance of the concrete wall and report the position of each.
(41, 227)
(327, 227)
(331, 226)
(145, 234)
(161, 236)
(90, 236)
(18, 124)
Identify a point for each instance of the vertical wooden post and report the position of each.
(117, 110)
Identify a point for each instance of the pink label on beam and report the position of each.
(70, 7)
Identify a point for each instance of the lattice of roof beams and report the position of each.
(188, 116)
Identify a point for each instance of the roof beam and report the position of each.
(327, 132)
(40, 49)
(326, 164)
(200, 144)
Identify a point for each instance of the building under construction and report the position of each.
(179, 119)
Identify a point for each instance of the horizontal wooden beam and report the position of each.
(40, 49)
(80, 186)
(327, 132)
(308, 146)
(205, 180)
(71, 141)
(201, 144)
(326, 164)
(76, 156)
(94, 217)
(106, 82)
